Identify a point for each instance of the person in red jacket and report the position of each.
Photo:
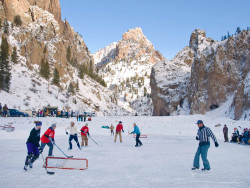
(119, 128)
(48, 138)
(84, 132)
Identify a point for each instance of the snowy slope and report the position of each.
(29, 91)
(164, 160)
(126, 67)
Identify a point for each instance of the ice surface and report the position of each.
(164, 160)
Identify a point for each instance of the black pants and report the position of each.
(137, 139)
(71, 137)
(226, 137)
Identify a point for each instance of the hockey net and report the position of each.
(141, 136)
(66, 163)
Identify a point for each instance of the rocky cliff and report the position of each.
(126, 66)
(203, 77)
(43, 35)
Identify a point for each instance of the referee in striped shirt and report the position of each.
(203, 135)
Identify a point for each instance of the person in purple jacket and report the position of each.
(33, 145)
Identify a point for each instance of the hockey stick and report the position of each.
(50, 173)
(61, 150)
(93, 140)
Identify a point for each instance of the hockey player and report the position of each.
(137, 132)
(119, 128)
(112, 130)
(203, 135)
(84, 132)
(33, 145)
(73, 135)
(48, 138)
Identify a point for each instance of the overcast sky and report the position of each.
(167, 24)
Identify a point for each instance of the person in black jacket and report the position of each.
(203, 135)
(33, 145)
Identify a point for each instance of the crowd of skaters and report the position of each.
(34, 148)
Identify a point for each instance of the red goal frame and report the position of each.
(67, 159)
(141, 136)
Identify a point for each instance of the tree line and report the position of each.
(238, 30)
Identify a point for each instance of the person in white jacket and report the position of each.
(73, 135)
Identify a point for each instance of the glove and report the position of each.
(40, 150)
(67, 133)
(216, 144)
(197, 138)
(123, 131)
(88, 133)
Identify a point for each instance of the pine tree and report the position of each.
(56, 77)
(71, 88)
(77, 86)
(238, 30)
(248, 28)
(228, 35)
(17, 20)
(6, 27)
(14, 57)
(91, 70)
(0, 23)
(44, 69)
(5, 74)
(145, 91)
(82, 70)
(68, 55)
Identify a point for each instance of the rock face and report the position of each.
(52, 6)
(133, 46)
(220, 71)
(126, 67)
(43, 35)
(203, 76)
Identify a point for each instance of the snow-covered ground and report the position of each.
(164, 160)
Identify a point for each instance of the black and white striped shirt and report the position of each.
(204, 134)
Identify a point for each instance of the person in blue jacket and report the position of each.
(137, 132)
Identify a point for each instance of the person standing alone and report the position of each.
(203, 135)
(112, 130)
(119, 130)
(225, 132)
(137, 132)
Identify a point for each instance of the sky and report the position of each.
(167, 24)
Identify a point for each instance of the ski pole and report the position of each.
(50, 173)
(61, 150)
(92, 140)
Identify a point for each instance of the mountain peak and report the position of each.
(134, 34)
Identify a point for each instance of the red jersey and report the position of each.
(84, 130)
(50, 133)
(119, 127)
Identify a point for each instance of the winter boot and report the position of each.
(204, 169)
(30, 164)
(194, 168)
(25, 167)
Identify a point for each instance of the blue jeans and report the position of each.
(50, 147)
(202, 150)
(245, 140)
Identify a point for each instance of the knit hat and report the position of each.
(38, 123)
(53, 125)
(119, 122)
(199, 122)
